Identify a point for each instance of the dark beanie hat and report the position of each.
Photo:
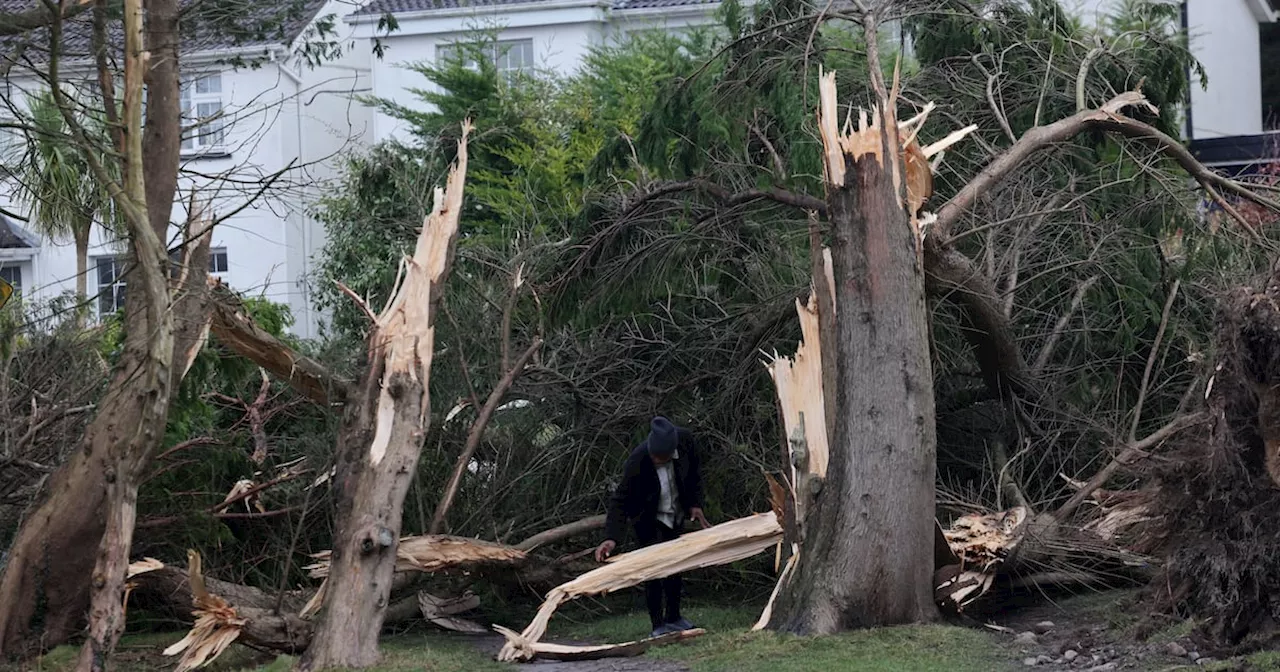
(662, 437)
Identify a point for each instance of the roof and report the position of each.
(208, 25)
(379, 7)
(1237, 149)
(12, 236)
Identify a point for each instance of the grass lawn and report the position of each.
(729, 645)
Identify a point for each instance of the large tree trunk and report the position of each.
(129, 430)
(379, 443)
(91, 505)
(866, 556)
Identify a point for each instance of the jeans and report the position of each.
(655, 590)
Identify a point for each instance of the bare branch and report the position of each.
(477, 431)
(40, 16)
(1107, 118)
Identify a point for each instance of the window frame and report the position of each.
(15, 279)
(498, 52)
(216, 253)
(113, 291)
(201, 133)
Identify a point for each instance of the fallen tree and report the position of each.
(1211, 509)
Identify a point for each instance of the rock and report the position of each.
(1025, 638)
(1030, 662)
(1194, 656)
(1043, 627)
(1205, 661)
(1175, 649)
(1107, 667)
(1044, 660)
(1070, 655)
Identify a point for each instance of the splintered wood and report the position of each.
(718, 545)
(910, 166)
(217, 623)
(426, 553)
(983, 543)
(798, 381)
(433, 553)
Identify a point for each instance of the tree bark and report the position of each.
(236, 330)
(867, 555)
(81, 234)
(379, 444)
(128, 431)
(92, 500)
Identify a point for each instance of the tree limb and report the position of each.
(238, 331)
(1106, 118)
(1133, 451)
(555, 534)
(40, 16)
(477, 431)
(1046, 350)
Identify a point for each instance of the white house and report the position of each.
(266, 138)
(289, 119)
(551, 34)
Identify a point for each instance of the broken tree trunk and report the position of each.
(717, 545)
(379, 442)
(218, 622)
(867, 555)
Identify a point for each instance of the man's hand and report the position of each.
(605, 549)
(697, 514)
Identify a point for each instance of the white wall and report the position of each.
(1225, 39)
(282, 118)
(562, 37)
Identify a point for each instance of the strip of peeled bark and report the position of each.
(717, 545)
(868, 554)
(380, 441)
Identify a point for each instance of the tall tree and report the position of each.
(84, 525)
(53, 184)
(867, 553)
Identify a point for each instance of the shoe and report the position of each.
(661, 630)
(679, 626)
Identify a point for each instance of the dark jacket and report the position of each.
(636, 497)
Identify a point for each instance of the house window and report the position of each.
(508, 56)
(13, 276)
(218, 260)
(111, 284)
(201, 101)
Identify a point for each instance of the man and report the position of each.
(661, 488)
